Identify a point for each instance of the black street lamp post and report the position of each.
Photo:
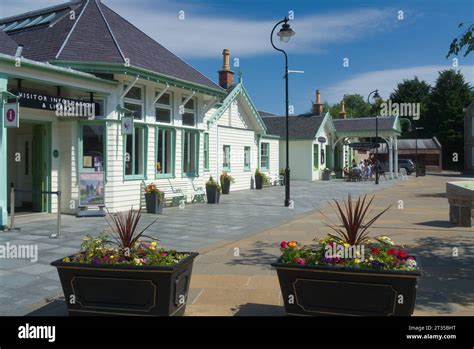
(285, 34)
(376, 98)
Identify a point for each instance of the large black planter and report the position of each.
(326, 176)
(324, 290)
(338, 174)
(104, 289)
(225, 187)
(213, 195)
(258, 182)
(153, 203)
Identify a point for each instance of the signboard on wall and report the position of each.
(322, 139)
(127, 125)
(46, 102)
(91, 189)
(11, 116)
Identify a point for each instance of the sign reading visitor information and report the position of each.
(322, 140)
(11, 117)
(91, 189)
(127, 125)
(45, 102)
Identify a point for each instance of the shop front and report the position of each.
(39, 155)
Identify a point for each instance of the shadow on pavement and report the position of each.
(437, 224)
(55, 308)
(446, 278)
(253, 309)
(257, 255)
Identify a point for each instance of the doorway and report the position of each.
(29, 166)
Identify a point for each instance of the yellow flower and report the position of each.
(292, 244)
(357, 260)
(67, 260)
(346, 244)
(112, 257)
(153, 243)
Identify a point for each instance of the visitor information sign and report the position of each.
(11, 117)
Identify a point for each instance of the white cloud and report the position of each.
(386, 80)
(204, 32)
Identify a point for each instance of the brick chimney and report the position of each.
(226, 76)
(342, 113)
(318, 107)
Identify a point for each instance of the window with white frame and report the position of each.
(190, 153)
(134, 101)
(188, 111)
(246, 158)
(164, 107)
(134, 156)
(226, 158)
(265, 156)
(165, 145)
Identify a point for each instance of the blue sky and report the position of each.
(382, 50)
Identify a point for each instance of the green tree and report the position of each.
(357, 106)
(413, 91)
(466, 39)
(445, 117)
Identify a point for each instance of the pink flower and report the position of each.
(283, 244)
(163, 254)
(299, 261)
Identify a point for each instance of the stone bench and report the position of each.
(461, 202)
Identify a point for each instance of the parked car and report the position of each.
(407, 164)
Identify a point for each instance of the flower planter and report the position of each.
(323, 290)
(326, 176)
(258, 182)
(213, 195)
(225, 187)
(338, 174)
(153, 203)
(114, 289)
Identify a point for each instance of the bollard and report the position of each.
(12, 208)
(59, 214)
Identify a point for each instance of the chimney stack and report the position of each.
(226, 76)
(342, 113)
(318, 107)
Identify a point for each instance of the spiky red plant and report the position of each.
(125, 226)
(355, 224)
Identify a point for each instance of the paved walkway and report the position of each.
(25, 286)
(224, 284)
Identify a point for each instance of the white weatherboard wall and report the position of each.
(233, 129)
(301, 159)
(123, 193)
(275, 164)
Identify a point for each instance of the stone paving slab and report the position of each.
(226, 284)
(200, 227)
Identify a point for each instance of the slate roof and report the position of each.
(409, 144)
(7, 45)
(265, 114)
(362, 124)
(99, 35)
(300, 127)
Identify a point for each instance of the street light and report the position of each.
(416, 149)
(285, 35)
(376, 97)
